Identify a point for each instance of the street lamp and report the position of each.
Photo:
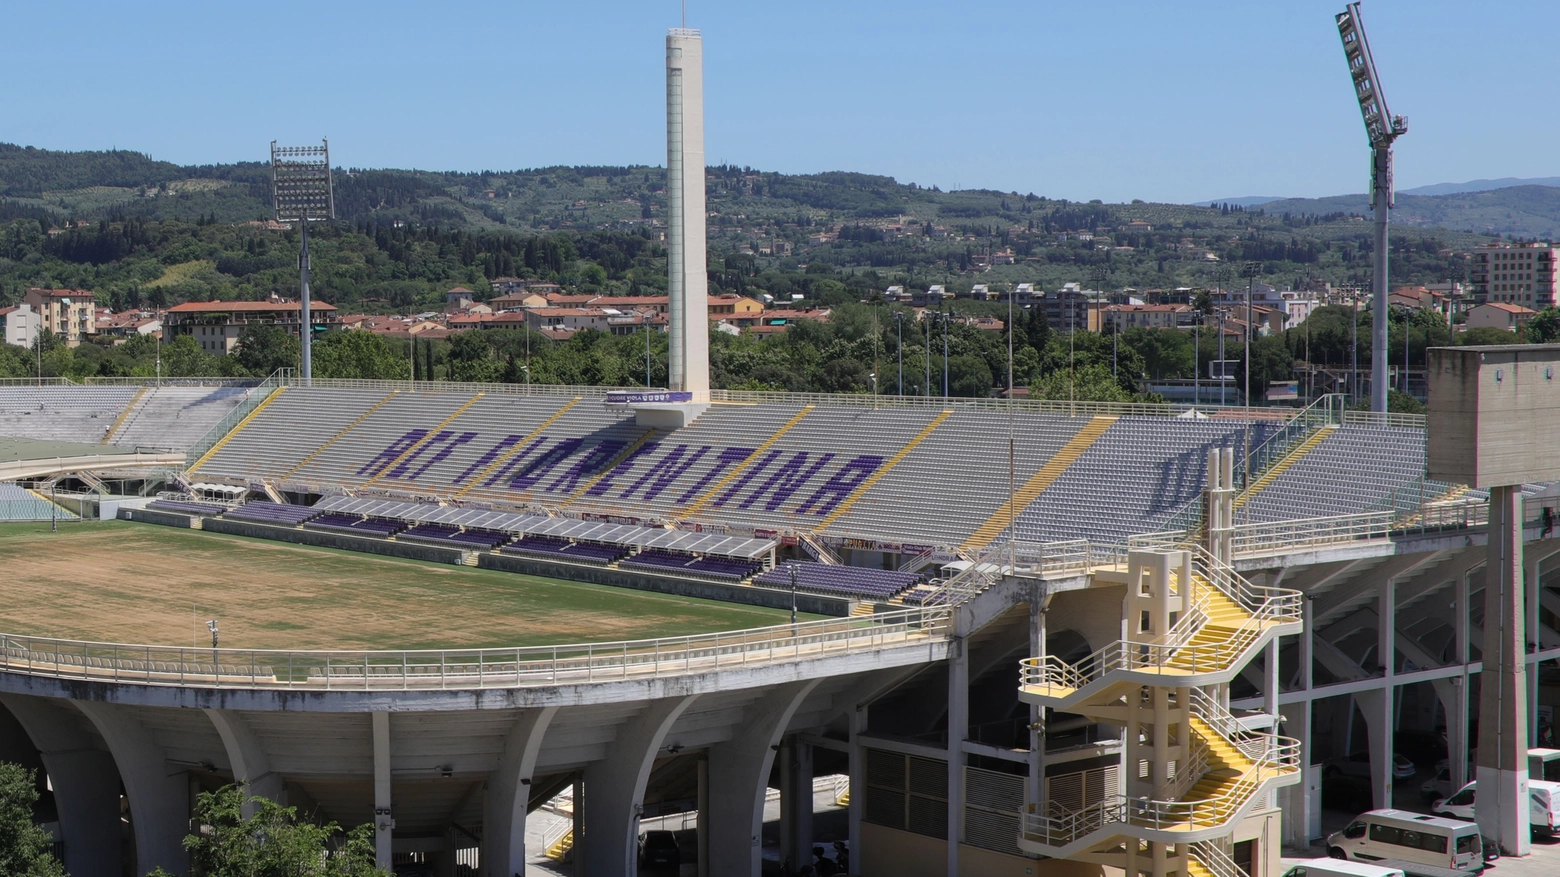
(792, 568)
(301, 189)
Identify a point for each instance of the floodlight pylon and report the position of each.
(302, 192)
(1382, 128)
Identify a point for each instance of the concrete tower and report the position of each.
(688, 284)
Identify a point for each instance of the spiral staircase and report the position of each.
(1193, 771)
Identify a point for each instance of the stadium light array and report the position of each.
(1381, 128)
(302, 192)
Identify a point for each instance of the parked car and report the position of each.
(1438, 786)
(1543, 805)
(658, 849)
(1358, 765)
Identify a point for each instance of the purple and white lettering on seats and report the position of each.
(786, 480)
(661, 473)
(537, 469)
(747, 475)
(604, 483)
(592, 462)
(726, 459)
(846, 479)
(493, 453)
(448, 446)
(387, 456)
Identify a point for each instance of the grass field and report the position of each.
(140, 583)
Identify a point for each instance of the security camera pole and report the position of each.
(301, 188)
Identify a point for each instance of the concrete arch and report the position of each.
(85, 781)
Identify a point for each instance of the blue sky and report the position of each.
(1165, 101)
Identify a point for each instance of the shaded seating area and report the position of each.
(723, 569)
(273, 513)
(356, 524)
(185, 507)
(562, 549)
(839, 581)
(444, 534)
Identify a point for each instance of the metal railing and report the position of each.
(1215, 858)
(526, 666)
(234, 417)
(153, 383)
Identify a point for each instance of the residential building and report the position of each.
(69, 313)
(217, 325)
(1002, 257)
(21, 324)
(1295, 305)
(459, 297)
(1499, 315)
(1073, 308)
(730, 304)
(1522, 274)
(1418, 298)
(514, 301)
(1124, 317)
(571, 319)
(507, 285)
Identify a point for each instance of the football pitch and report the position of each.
(124, 582)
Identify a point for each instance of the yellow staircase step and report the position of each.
(561, 846)
(1038, 482)
(1282, 466)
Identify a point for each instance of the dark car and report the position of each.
(658, 849)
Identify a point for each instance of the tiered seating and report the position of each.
(297, 424)
(273, 513)
(444, 534)
(1353, 470)
(17, 503)
(548, 546)
(66, 413)
(725, 568)
(176, 417)
(658, 559)
(839, 581)
(186, 508)
(354, 524)
(1133, 478)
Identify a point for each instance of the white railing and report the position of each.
(1275, 537)
(1213, 857)
(526, 666)
(234, 417)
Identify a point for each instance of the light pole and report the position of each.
(647, 351)
(1250, 270)
(793, 598)
(1196, 354)
(926, 321)
(1382, 129)
(899, 349)
(946, 319)
(301, 189)
(212, 626)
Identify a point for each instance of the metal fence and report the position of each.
(522, 667)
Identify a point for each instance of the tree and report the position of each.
(1091, 383)
(24, 847)
(1543, 328)
(272, 842)
(358, 355)
(263, 348)
(1486, 335)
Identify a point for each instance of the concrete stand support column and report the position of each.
(704, 817)
(1037, 629)
(159, 803)
(1457, 719)
(958, 730)
(1376, 705)
(509, 794)
(858, 781)
(1502, 803)
(739, 776)
(615, 789)
(85, 782)
(384, 818)
(251, 767)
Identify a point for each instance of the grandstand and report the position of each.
(893, 515)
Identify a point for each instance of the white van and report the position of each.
(1543, 805)
(1414, 842)
(1333, 868)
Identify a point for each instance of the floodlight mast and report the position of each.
(1382, 128)
(302, 191)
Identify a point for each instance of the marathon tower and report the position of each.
(687, 282)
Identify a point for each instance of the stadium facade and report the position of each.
(1137, 643)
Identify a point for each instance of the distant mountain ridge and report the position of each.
(1432, 189)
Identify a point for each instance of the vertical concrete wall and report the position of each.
(687, 282)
